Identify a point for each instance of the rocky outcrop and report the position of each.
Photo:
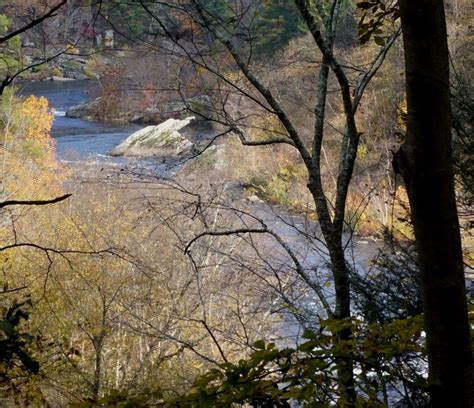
(212, 158)
(59, 79)
(85, 110)
(176, 109)
(152, 115)
(161, 140)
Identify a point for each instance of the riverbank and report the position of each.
(79, 140)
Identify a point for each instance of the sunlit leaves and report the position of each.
(10, 54)
(27, 151)
(307, 374)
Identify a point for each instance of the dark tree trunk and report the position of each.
(98, 343)
(425, 163)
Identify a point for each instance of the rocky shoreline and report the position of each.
(152, 115)
(65, 67)
(104, 106)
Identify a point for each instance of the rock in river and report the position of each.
(85, 110)
(162, 140)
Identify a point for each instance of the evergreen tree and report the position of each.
(277, 22)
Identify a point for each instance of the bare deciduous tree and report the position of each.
(221, 41)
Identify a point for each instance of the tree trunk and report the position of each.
(98, 343)
(333, 238)
(425, 163)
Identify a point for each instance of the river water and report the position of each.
(78, 139)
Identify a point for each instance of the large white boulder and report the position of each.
(161, 140)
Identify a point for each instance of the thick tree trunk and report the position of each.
(425, 163)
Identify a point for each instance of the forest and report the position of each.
(241, 203)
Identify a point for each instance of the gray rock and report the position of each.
(60, 79)
(161, 140)
(177, 109)
(213, 157)
(84, 110)
(79, 76)
(254, 199)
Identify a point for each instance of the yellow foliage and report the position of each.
(29, 169)
(362, 151)
(234, 76)
(266, 125)
(402, 114)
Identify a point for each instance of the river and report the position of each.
(80, 141)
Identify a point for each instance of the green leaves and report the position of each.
(308, 374)
(14, 342)
(379, 41)
(7, 328)
(259, 345)
(122, 399)
(375, 16)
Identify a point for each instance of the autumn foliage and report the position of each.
(29, 166)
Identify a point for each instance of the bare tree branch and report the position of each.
(33, 23)
(259, 86)
(35, 202)
(376, 64)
